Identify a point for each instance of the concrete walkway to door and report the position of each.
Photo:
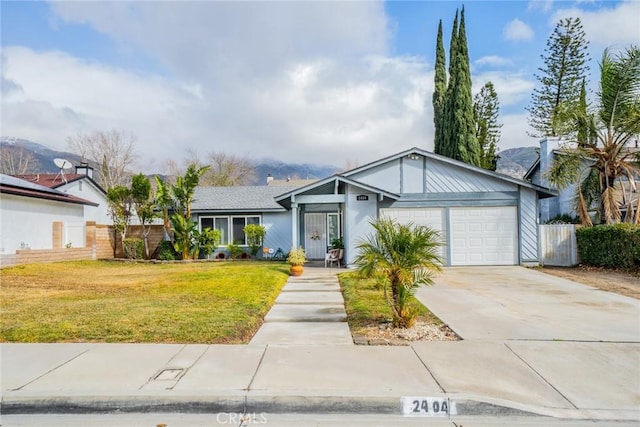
(308, 311)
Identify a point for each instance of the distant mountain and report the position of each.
(515, 162)
(42, 156)
(43, 163)
(281, 170)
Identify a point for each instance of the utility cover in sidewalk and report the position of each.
(169, 374)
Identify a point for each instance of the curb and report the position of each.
(239, 404)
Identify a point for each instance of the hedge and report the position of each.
(611, 246)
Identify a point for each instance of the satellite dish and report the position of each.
(62, 163)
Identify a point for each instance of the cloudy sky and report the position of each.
(326, 82)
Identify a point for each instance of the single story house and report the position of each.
(485, 218)
(79, 184)
(28, 212)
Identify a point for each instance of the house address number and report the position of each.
(413, 406)
(362, 197)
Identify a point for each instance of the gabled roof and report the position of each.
(20, 187)
(283, 199)
(542, 191)
(58, 180)
(238, 199)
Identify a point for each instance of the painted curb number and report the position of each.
(427, 407)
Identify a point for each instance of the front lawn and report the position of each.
(366, 305)
(99, 301)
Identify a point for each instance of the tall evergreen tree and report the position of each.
(446, 148)
(565, 68)
(463, 143)
(440, 89)
(485, 110)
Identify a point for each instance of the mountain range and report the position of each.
(513, 162)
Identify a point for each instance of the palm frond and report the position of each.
(610, 205)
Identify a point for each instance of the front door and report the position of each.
(315, 235)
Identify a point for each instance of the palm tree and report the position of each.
(402, 257)
(596, 165)
(185, 187)
(164, 201)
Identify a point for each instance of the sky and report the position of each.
(322, 82)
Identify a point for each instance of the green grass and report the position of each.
(97, 301)
(366, 305)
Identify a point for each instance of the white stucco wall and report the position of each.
(86, 190)
(29, 221)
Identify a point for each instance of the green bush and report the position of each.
(166, 252)
(235, 250)
(133, 248)
(611, 246)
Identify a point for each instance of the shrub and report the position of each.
(564, 219)
(611, 246)
(133, 248)
(234, 251)
(255, 236)
(166, 252)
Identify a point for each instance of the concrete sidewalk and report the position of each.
(559, 379)
(562, 379)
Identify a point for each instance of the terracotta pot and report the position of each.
(296, 270)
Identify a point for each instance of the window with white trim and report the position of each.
(231, 227)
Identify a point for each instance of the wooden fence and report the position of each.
(558, 246)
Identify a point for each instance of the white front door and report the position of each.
(315, 235)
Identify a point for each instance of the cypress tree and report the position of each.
(464, 145)
(447, 142)
(439, 91)
(560, 79)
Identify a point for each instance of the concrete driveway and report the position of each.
(517, 303)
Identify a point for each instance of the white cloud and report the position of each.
(512, 88)
(493, 61)
(616, 26)
(543, 5)
(299, 82)
(516, 30)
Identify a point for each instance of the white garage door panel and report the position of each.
(484, 236)
(432, 217)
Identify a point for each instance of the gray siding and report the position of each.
(357, 217)
(278, 227)
(528, 226)
(385, 176)
(445, 178)
(412, 175)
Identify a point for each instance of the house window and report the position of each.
(239, 222)
(333, 227)
(231, 228)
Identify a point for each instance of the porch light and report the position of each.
(413, 156)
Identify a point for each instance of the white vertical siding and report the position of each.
(528, 225)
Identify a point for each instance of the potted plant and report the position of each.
(296, 259)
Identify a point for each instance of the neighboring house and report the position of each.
(564, 202)
(485, 218)
(28, 213)
(79, 184)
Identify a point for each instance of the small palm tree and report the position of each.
(402, 257)
(596, 164)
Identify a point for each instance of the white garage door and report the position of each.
(432, 217)
(483, 236)
(478, 236)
